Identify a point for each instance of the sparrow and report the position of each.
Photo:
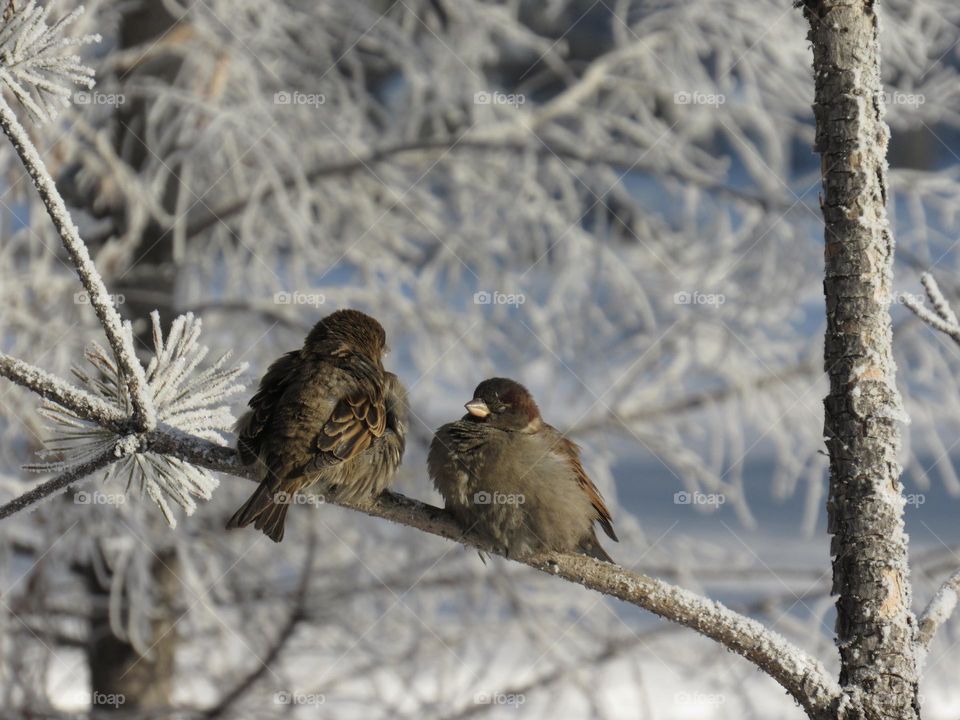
(326, 414)
(517, 481)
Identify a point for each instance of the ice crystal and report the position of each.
(33, 63)
(187, 399)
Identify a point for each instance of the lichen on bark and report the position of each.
(875, 625)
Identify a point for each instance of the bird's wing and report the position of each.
(357, 420)
(251, 428)
(571, 449)
(397, 409)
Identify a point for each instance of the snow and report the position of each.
(600, 200)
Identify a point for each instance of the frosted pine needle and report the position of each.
(33, 63)
(186, 399)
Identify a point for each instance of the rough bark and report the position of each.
(116, 666)
(58, 484)
(799, 673)
(875, 626)
(122, 681)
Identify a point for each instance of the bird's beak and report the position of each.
(477, 408)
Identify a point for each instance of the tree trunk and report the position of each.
(116, 667)
(121, 680)
(875, 625)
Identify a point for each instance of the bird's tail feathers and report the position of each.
(592, 547)
(263, 510)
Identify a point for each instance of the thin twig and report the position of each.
(441, 146)
(50, 387)
(938, 611)
(799, 673)
(294, 617)
(119, 336)
(60, 482)
(942, 317)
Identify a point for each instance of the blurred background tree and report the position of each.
(613, 202)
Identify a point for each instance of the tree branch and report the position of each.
(294, 617)
(875, 624)
(442, 146)
(938, 611)
(119, 336)
(59, 483)
(699, 400)
(800, 674)
(52, 388)
(942, 317)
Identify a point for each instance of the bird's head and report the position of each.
(504, 404)
(348, 331)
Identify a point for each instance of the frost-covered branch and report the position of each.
(438, 147)
(296, 615)
(875, 624)
(28, 41)
(941, 317)
(118, 334)
(59, 483)
(53, 389)
(189, 403)
(699, 400)
(938, 611)
(801, 675)
(34, 67)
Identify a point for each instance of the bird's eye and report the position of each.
(499, 408)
